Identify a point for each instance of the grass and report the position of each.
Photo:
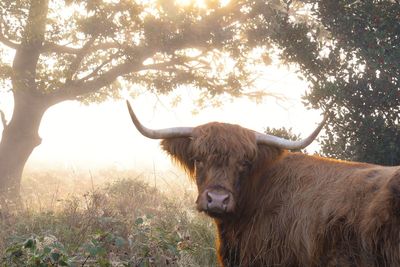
(126, 222)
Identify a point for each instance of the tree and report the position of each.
(349, 52)
(367, 100)
(88, 50)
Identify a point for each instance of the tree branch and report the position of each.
(3, 119)
(62, 49)
(52, 47)
(4, 39)
(79, 57)
(7, 42)
(96, 70)
(73, 89)
(159, 66)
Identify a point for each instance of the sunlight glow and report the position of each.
(200, 3)
(197, 3)
(224, 2)
(102, 135)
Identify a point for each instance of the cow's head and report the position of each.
(220, 157)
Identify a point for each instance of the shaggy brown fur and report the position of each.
(293, 209)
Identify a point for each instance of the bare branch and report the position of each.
(96, 70)
(182, 61)
(79, 57)
(3, 119)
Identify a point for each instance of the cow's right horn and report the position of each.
(288, 144)
(160, 133)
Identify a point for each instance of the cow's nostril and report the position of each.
(226, 200)
(209, 197)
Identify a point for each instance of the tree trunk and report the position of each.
(20, 137)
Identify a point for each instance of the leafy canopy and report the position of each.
(349, 52)
(90, 49)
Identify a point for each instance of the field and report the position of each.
(109, 219)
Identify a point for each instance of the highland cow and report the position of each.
(273, 207)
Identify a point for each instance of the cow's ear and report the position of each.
(179, 150)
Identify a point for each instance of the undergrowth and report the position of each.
(123, 223)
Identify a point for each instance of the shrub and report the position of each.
(126, 223)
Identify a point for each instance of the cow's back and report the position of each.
(317, 212)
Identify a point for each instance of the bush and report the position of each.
(126, 223)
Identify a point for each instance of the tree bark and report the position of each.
(20, 137)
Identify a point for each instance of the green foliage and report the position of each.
(37, 252)
(349, 53)
(127, 223)
(367, 101)
(283, 132)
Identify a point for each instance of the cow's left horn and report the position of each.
(161, 133)
(288, 144)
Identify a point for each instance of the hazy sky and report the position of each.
(102, 135)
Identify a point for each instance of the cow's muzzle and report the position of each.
(216, 201)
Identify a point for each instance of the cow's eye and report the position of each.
(245, 166)
(198, 163)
